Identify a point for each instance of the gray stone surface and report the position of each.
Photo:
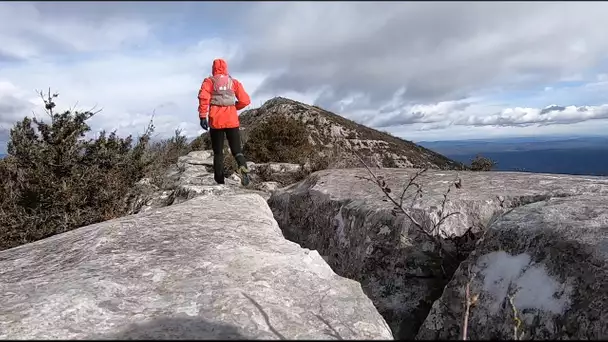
(277, 167)
(215, 267)
(269, 186)
(281, 173)
(190, 177)
(197, 158)
(347, 219)
(550, 258)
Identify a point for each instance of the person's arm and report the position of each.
(242, 98)
(204, 98)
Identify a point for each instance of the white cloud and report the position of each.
(438, 51)
(415, 69)
(29, 32)
(130, 88)
(538, 116)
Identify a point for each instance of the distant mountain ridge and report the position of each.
(561, 155)
(331, 131)
(457, 147)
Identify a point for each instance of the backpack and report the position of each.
(222, 94)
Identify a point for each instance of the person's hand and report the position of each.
(204, 124)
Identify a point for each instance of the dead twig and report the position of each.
(387, 192)
(412, 182)
(265, 315)
(469, 301)
(48, 103)
(516, 321)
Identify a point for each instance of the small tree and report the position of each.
(55, 180)
(480, 163)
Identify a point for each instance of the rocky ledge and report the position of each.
(192, 176)
(544, 245)
(215, 267)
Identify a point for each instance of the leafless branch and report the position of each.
(470, 301)
(444, 218)
(518, 334)
(382, 184)
(412, 182)
(465, 324)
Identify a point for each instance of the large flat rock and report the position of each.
(349, 221)
(215, 267)
(548, 261)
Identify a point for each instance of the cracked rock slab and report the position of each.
(215, 267)
(546, 260)
(190, 177)
(348, 219)
(204, 158)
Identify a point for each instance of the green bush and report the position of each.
(389, 162)
(54, 179)
(230, 164)
(278, 139)
(481, 163)
(201, 143)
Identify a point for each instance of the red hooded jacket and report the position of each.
(221, 116)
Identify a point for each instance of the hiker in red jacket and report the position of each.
(217, 110)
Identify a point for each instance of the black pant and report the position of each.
(217, 144)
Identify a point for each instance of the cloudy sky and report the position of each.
(420, 70)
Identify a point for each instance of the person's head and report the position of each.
(220, 67)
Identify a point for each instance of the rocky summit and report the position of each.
(332, 133)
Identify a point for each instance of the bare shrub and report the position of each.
(481, 163)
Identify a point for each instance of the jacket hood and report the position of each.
(220, 67)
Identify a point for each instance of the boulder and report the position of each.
(215, 267)
(269, 186)
(547, 262)
(348, 219)
(204, 158)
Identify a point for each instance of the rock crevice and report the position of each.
(347, 219)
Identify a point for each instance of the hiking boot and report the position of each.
(244, 173)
